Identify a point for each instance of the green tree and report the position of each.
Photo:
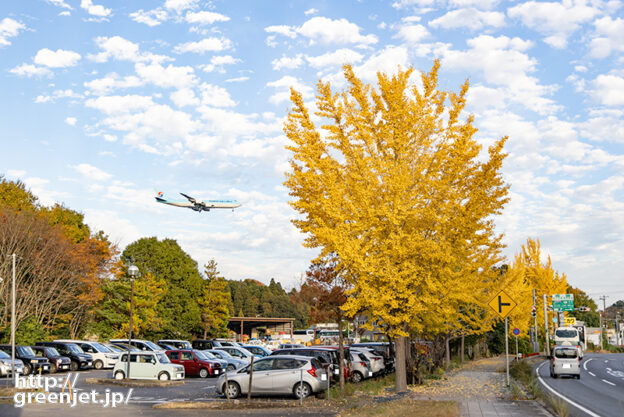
(179, 310)
(214, 302)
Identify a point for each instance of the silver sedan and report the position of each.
(300, 376)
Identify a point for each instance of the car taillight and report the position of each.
(363, 364)
(312, 371)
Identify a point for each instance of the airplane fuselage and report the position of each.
(198, 205)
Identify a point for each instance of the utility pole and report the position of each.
(13, 326)
(536, 346)
(604, 311)
(546, 341)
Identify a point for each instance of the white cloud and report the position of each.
(387, 60)
(91, 172)
(150, 18)
(111, 82)
(609, 37)
(205, 18)
(95, 10)
(166, 77)
(479, 4)
(9, 28)
(203, 46)
(15, 173)
(340, 31)
(29, 70)
(310, 11)
(604, 125)
(212, 95)
(71, 121)
(336, 58)
(120, 230)
(609, 90)
(68, 93)
(237, 80)
(120, 104)
(60, 3)
(470, 18)
(184, 97)
(412, 33)
(56, 59)
(282, 30)
(180, 5)
(218, 63)
(121, 49)
(65, 13)
(287, 62)
(283, 86)
(555, 20)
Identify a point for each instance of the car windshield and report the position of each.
(52, 352)
(566, 333)
(200, 355)
(222, 354)
(4, 355)
(25, 351)
(207, 354)
(162, 358)
(569, 353)
(74, 348)
(152, 346)
(114, 348)
(101, 348)
(184, 345)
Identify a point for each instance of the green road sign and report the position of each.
(563, 302)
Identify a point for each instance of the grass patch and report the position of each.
(406, 408)
(370, 386)
(559, 406)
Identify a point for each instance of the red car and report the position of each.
(194, 362)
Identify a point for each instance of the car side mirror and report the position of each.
(153, 361)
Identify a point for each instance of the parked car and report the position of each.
(177, 344)
(79, 360)
(32, 363)
(144, 345)
(224, 364)
(360, 367)
(257, 351)
(194, 362)
(376, 361)
(124, 347)
(381, 349)
(566, 360)
(237, 352)
(300, 376)
(148, 365)
(5, 365)
(232, 362)
(101, 356)
(202, 344)
(228, 343)
(57, 361)
(115, 348)
(326, 355)
(290, 346)
(166, 346)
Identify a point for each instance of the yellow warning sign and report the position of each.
(502, 304)
(569, 321)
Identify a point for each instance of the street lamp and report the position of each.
(133, 271)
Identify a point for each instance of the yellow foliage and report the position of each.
(394, 185)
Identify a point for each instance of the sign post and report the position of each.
(502, 304)
(516, 332)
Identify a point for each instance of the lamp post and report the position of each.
(133, 271)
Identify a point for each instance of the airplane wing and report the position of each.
(189, 198)
(197, 205)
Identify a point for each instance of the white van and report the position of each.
(102, 356)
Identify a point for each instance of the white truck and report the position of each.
(570, 336)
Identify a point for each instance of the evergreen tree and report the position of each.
(214, 303)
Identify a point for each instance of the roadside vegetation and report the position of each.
(527, 383)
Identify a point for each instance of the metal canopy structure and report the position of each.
(248, 325)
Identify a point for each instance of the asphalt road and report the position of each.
(599, 392)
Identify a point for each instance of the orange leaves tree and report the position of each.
(396, 186)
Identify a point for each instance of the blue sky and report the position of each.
(106, 102)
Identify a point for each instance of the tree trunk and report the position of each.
(400, 374)
(205, 333)
(462, 348)
(341, 356)
(410, 362)
(447, 351)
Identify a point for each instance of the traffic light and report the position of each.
(533, 311)
(583, 309)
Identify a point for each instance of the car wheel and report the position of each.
(73, 366)
(53, 368)
(98, 364)
(356, 377)
(302, 390)
(578, 376)
(203, 373)
(119, 375)
(231, 368)
(164, 376)
(233, 390)
(27, 369)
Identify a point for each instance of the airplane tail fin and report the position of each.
(160, 196)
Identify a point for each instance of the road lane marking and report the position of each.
(585, 363)
(591, 373)
(608, 382)
(580, 407)
(608, 369)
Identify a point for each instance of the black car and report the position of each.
(57, 362)
(32, 363)
(205, 344)
(79, 359)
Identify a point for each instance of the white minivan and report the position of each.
(102, 356)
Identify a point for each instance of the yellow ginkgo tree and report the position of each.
(395, 185)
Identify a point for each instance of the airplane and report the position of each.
(197, 205)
